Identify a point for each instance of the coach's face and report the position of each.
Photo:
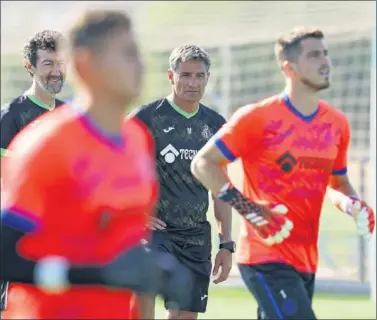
(49, 71)
(190, 80)
(314, 65)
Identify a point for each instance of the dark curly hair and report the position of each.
(44, 40)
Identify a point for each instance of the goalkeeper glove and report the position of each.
(268, 220)
(363, 215)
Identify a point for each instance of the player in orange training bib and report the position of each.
(293, 147)
(80, 186)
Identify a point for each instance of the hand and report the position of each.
(269, 222)
(363, 215)
(223, 261)
(156, 224)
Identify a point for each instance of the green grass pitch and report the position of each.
(228, 303)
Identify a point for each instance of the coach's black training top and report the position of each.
(179, 136)
(17, 114)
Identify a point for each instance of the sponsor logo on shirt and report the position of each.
(170, 153)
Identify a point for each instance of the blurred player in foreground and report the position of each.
(181, 126)
(79, 186)
(47, 69)
(292, 147)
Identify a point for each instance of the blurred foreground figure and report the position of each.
(79, 189)
(47, 69)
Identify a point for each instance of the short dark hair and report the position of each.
(188, 52)
(44, 40)
(95, 24)
(288, 45)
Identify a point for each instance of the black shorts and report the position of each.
(196, 257)
(280, 290)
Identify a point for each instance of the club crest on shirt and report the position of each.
(207, 132)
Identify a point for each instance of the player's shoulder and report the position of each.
(139, 131)
(266, 104)
(20, 100)
(15, 107)
(259, 108)
(334, 112)
(135, 125)
(212, 114)
(148, 109)
(51, 131)
(42, 149)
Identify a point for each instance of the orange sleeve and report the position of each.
(21, 186)
(28, 180)
(242, 135)
(340, 163)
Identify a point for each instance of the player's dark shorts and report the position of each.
(196, 257)
(281, 291)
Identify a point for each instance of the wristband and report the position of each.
(51, 274)
(231, 195)
(228, 193)
(224, 190)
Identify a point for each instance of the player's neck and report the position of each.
(304, 100)
(41, 95)
(110, 119)
(187, 106)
